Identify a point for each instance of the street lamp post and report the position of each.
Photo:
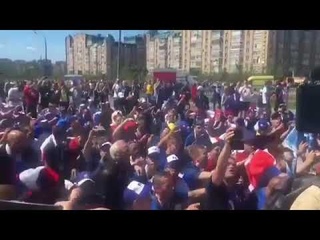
(45, 51)
(118, 58)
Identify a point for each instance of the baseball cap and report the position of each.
(263, 125)
(154, 152)
(83, 178)
(39, 178)
(136, 190)
(172, 162)
(199, 88)
(282, 105)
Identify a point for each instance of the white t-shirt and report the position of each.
(116, 89)
(264, 93)
(47, 142)
(15, 96)
(245, 94)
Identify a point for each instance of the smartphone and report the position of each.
(236, 142)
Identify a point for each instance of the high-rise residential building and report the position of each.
(138, 42)
(157, 50)
(97, 55)
(216, 50)
(294, 51)
(174, 48)
(88, 54)
(251, 51)
(192, 50)
(69, 54)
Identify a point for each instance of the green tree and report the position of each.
(195, 71)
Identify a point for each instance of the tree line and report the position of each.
(20, 69)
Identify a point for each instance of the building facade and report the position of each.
(209, 51)
(250, 51)
(97, 55)
(294, 51)
(174, 50)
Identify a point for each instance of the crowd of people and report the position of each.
(157, 146)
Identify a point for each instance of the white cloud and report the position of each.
(2, 45)
(31, 48)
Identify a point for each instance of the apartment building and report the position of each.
(69, 54)
(208, 51)
(294, 51)
(157, 50)
(252, 51)
(97, 55)
(139, 42)
(174, 48)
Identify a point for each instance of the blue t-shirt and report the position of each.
(178, 201)
(190, 174)
(189, 140)
(182, 188)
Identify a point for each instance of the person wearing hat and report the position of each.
(262, 127)
(201, 102)
(137, 196)
(41, 185)
(286, 115)
(153, 162)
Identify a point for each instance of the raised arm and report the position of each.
(222, 163)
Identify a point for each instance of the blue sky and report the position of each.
(26, 45)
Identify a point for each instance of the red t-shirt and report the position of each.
(31, 96)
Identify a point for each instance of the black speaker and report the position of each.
(308, 108)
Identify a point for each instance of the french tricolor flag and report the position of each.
(261, 168)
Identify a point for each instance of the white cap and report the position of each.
(172, 158)
(135, 186)
(199, 88)
(30, 176)
(68, 185)
(153, 149)
(105, 144)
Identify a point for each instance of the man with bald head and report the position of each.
(15, 145)
(119, 151)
